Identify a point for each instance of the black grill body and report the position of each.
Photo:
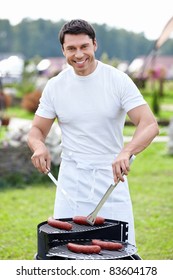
(52, 241)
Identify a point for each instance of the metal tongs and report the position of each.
(92, 216)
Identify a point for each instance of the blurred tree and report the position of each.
(40, 38)
(6, 36)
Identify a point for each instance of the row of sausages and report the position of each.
(95, 247)
(81, 220)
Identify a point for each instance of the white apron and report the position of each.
(82, 181)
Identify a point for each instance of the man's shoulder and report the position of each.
(111, 69)
(61, 76)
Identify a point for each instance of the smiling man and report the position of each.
(79, 52)
(90, 101)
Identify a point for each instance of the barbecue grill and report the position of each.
(52, 242)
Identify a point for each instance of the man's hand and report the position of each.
(121, 166)
(41, 159)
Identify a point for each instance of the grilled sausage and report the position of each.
(59, 224)
(107, 245)
(82, 220)
(85, 249)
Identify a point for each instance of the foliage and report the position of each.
(105, 59)
(27, 84)
(159, 103)
(31, 100)
(23, 178)
(40, 38)
(155, 104)
(18, 112)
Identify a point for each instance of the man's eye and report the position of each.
(71, 49)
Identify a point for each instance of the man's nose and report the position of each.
(79, 53)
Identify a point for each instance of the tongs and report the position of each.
(92, 216)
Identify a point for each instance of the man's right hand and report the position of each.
(41, 159)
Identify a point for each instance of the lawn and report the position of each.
(151, 186)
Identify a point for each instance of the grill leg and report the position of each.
(36, 257)
(136, 257)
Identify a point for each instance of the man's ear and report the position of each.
(62, 49)
(95, 45)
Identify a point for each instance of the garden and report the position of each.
(27, 198)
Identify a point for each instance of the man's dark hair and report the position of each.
(76, 26)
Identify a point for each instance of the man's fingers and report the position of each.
(40, 163)
(120, 168)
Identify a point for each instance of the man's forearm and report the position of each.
(35, 139)
(141, 139)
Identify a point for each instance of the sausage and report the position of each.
(107, 245)
(82, 220)
(85, 249)
(59, 224)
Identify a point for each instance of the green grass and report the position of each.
(21, 209)
(18, 112)
(151, 187)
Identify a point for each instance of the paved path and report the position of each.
(156, 139)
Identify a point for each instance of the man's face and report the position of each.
(79, 51)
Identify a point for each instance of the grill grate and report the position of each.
(61, 251)
(75, 227)
(52, 241)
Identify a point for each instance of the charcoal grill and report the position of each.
(52, 242)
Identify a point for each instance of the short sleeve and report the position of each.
(131, 97)
(46, 105)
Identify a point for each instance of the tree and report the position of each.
(6, 36)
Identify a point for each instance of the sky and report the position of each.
(147, 16)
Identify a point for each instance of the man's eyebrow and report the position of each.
(73, 46)
(70, 46)
(85, 44)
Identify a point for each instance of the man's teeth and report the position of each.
(80, 62)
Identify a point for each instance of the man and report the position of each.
(90, 100)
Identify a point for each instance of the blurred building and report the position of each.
(11, 67)
(51, 66)
(142, 67)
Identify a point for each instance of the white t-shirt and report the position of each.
(91, 110)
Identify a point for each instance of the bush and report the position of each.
(16, 169)
(30, 101)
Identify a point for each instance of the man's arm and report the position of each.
(146, 130)
(36, 141)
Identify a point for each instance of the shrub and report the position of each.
(31, 100)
